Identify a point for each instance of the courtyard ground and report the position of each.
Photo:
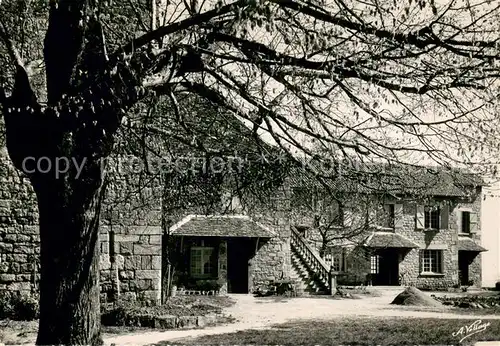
(354, 331)
(262, 313)
(267, 320)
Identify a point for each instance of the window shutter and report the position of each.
(372, 217)
(420, 217)
(444, 216)
(421, 261)
(398, 216)
(236, 204)
(458, 215)
(474, 224)
(343, 267)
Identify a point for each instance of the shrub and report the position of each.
(208, 285)
(497, 286)
(6, 305)
(20, 307)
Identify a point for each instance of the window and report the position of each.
(432, 261)
(465, 222)
(337, 263)
(387, 218)
(328, 259)
(302, 199)
(335, 260)
(431, 215)
(201, 261)
(374, 264)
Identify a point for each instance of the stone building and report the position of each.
(238, 250)
(428, 238)
(425, 235)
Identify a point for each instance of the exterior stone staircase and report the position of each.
(308, 269)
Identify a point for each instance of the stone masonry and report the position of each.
(130, 241)
(445, 239)
(19, 238)
(270, 259)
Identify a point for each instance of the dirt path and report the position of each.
(258, 313)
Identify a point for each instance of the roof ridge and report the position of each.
(227, 216)
(180, 223)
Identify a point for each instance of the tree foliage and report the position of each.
(397, 81)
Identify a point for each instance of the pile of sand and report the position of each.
(413, 296)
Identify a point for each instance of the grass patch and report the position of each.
(360, 331)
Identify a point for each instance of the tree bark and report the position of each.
(88, 94)
(69, 284)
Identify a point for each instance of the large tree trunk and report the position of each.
(87, 96)
(69, 285)
(78, 129)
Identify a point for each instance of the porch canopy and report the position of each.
(220, 226)
(467, 244)
(389, 240)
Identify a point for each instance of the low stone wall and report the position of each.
(198, 293)
(177, 322)
(475, 302)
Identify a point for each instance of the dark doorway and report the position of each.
(238, 256)
(464, 260)
(387, 268)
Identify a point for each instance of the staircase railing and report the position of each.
(311, 257)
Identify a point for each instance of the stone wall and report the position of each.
(446, 239)
(19, 238)
(130, 263)
(222, 266)
(131, 235)
(273, 259)
(475, 268)
(131, 238)
(443, 239)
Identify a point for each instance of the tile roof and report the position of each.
(467, 244)
(394, 179)
(388, 240)
(220, 226)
